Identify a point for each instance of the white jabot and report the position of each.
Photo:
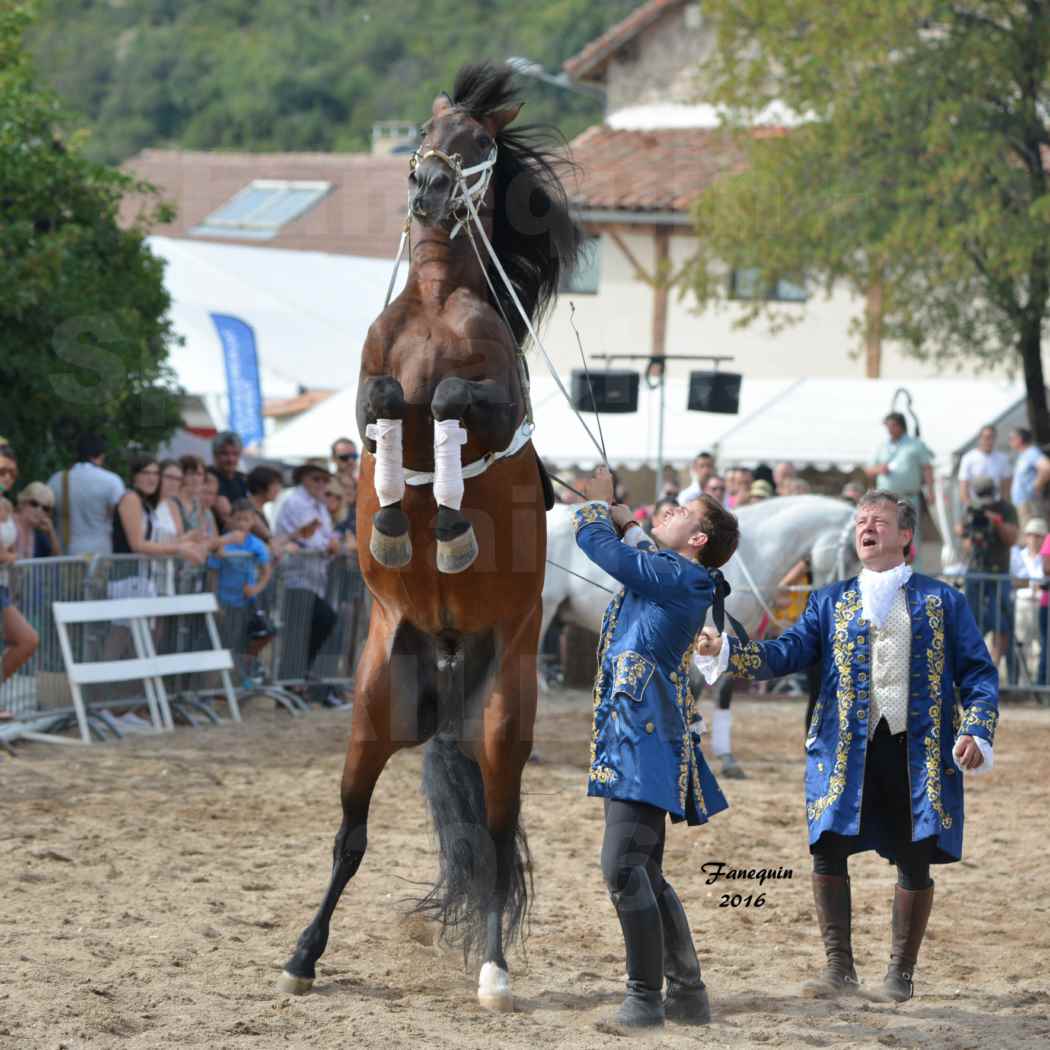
(878, 589)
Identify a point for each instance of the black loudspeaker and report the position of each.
(714, 392)
(615, 390)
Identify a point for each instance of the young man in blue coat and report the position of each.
(887, 745)
(646, 761)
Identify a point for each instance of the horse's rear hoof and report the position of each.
(390, 544)
(494, 989)
(291, 985)
(457, 555)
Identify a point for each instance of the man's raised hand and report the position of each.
(600, 487)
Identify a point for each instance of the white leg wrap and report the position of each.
(721, 728)
(494, 988)
(390, 463)
(449, 439)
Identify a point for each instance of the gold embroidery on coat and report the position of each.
(846, 608)
(603, 774)
(631, 674)
(973, 719)
(588, 513)
(687, 766)
(935, 676)
(746, 661)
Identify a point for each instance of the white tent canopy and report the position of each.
(630, 439)
(310, 312)
(837, 423)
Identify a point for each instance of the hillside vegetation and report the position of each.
(263, 75)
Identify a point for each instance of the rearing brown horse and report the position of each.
(455, 558)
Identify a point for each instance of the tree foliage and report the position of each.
(294, 74)
(918, 169)
(84, 335)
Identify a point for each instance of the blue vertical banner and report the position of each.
(242, 377)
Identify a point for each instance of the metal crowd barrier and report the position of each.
(307, 592)
(1011, 616)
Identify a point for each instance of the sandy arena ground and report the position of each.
(153, 889)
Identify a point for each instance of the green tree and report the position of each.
(917, 178)
(84, 335)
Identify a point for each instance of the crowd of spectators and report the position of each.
(1004, 505)
(219, 515)
(235, 523)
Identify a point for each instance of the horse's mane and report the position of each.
(533, 232)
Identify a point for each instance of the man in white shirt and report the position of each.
(304, 518)
(984, 461)
(85, 498)
(703, 467)
(886, 745)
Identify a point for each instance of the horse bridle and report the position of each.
(462, 192)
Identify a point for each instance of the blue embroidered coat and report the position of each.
(642, 749)
(947, 652)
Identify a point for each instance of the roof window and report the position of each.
(260, 210)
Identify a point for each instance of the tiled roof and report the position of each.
(361, 215)
(659, 171)
(590, 62)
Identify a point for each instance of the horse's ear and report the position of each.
(442, 104)
(495, 122)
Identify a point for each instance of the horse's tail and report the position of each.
(467, 878)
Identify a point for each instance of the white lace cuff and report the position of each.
(713, 667)
(987, 754)
(636, 536)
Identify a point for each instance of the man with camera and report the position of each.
(989, 529)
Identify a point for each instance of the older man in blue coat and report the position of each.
(887, 744)
(646, 760)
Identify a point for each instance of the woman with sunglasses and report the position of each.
(37, 537)
(20, 641)
(136, 526)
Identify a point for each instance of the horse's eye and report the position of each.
(485, 141)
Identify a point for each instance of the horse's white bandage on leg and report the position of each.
(721, 726)
(390, 464)
(449, 439)
(494, 988)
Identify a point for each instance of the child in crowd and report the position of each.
(244, 577)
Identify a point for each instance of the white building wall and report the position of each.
(618, 319)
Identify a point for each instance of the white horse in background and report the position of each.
(774, 536)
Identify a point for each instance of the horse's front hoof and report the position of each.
(292, 985)
(390, 544)
(457, 555)
(494, 989)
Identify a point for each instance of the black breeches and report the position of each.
(887, 799)
(634, 838)
(913, 863)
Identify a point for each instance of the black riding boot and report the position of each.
(685, 999)
(639, 917)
